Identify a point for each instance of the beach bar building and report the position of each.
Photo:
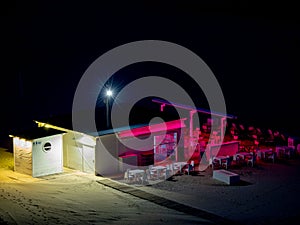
(107, 152)
(47, 149)
(113, 155)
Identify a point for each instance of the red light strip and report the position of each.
(167, 126)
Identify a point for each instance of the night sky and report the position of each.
(252, 48)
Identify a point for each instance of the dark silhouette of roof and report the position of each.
(36, 132)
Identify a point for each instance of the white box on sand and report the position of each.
(226, 176)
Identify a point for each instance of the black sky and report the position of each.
(252, 48)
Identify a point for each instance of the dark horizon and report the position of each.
(251, 48)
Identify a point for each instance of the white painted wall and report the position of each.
(106, 155)
(79, 152)
(47, 162)
(22, 156)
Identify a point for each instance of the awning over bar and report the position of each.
(166, 126)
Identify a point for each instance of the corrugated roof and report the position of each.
(116, 130)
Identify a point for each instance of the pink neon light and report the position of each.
(171, 125)
(192, 108)
(128, 155)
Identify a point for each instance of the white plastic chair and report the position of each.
(127, 176)
(153, 173)
(145, 178)
(270, 156)
(251, 159)
(215, 163)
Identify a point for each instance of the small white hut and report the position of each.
(47, 149)
(38, 153)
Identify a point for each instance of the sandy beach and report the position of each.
(267, 193)
(74, 198)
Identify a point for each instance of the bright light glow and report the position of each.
(16, 141)
(109, 93)
(40, 124)
(47, 125)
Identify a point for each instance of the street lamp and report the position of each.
(109, 94)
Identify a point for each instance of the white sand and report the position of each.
(74, 198)
(269, 193)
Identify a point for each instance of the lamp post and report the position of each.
(109, 94)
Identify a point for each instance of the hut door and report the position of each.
(88, 159)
